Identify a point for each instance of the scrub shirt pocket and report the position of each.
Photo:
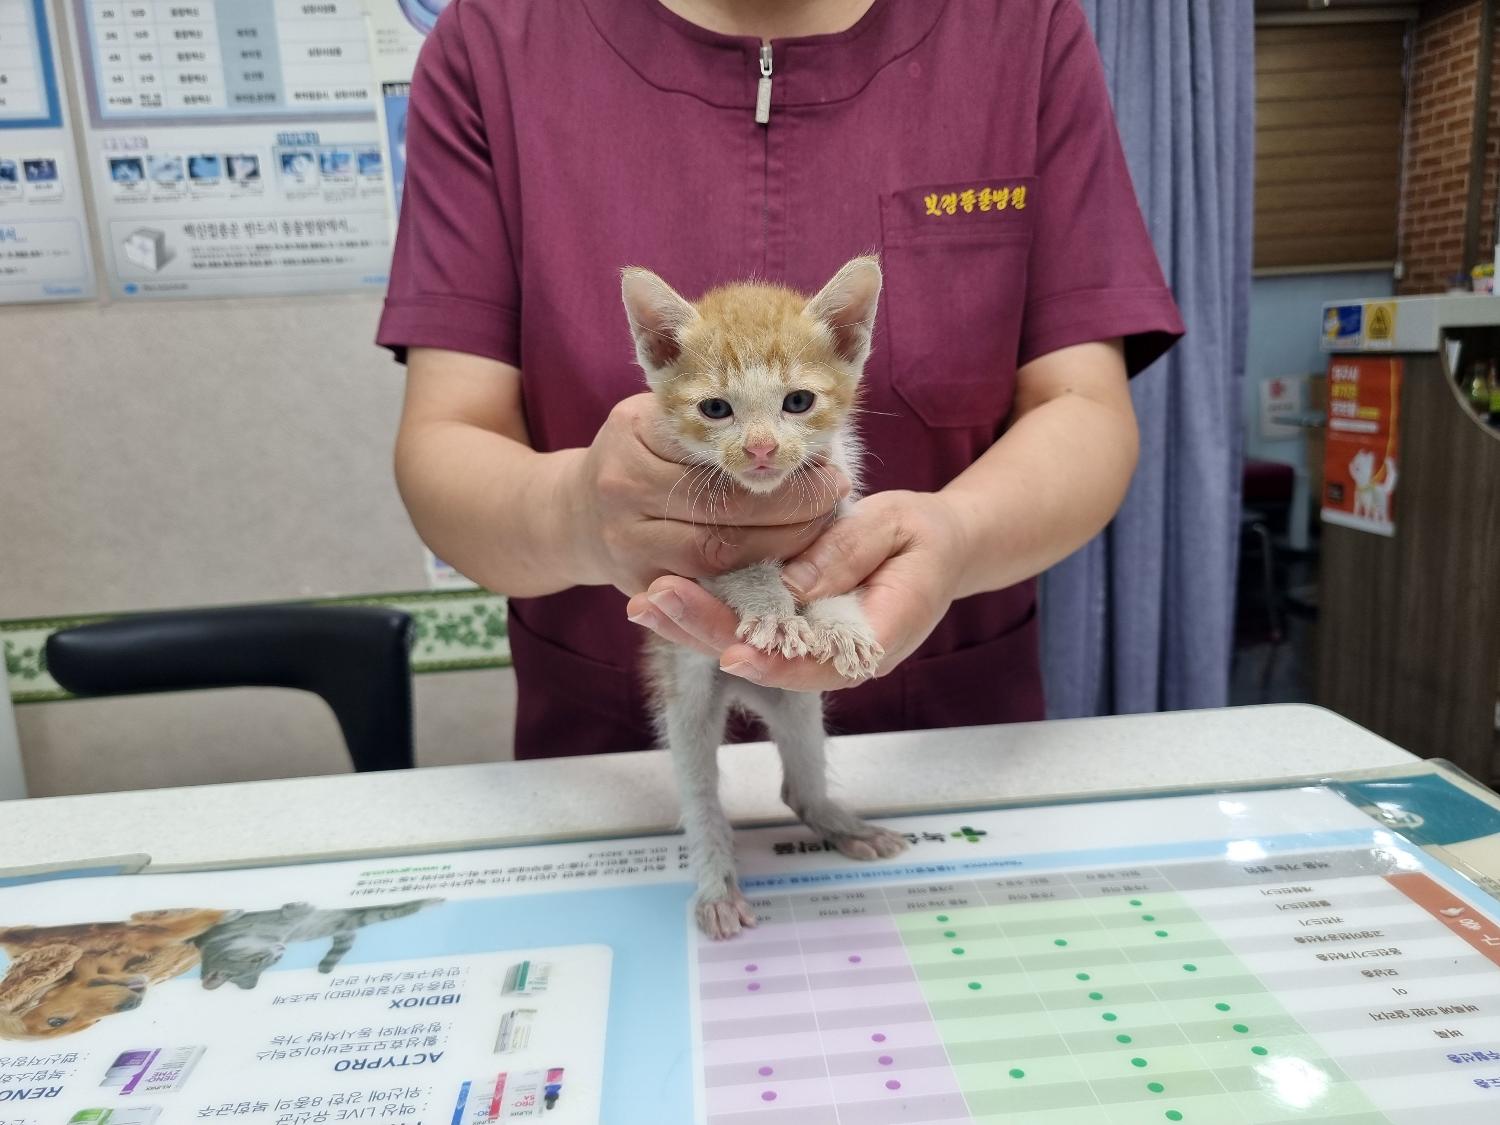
(955, 288)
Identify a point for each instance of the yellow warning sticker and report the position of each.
(1380, 324)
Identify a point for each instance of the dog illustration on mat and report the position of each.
(63, 979)
(240, 948)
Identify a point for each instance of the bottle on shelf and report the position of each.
(1477, 388)
(1494, 404)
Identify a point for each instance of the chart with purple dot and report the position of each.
(1327, 979)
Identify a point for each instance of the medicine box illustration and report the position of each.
(146, 248)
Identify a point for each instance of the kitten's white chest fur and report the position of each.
(743, 429)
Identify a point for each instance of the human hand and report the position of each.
(907, 551)
(639, 514)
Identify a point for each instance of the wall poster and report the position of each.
(44, 239)
(398, 28)
(1360, 454)
(232, 146)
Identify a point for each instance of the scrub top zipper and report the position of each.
(763, 89)
(763, 117)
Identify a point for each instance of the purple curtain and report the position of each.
(1141, 619)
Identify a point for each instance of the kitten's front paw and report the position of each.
(777, 634)
(724, 914)
(850, 645)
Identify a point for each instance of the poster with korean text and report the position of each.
(232, 146)
(44, 240)
(1360, 456)
(398, 28)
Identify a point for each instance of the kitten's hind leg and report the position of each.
(795, 722)
(692, 708)
(841, 634)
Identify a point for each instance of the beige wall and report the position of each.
(169, 454)
(201, 453)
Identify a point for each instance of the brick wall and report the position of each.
(1439, 131)
(1489, 234)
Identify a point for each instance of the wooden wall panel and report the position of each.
(1409, 627)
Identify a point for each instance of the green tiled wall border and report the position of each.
(455, 630)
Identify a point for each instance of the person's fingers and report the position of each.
(700, 615)
(801, 674)
(701, 494)
(841, 558)
(641, 612)
(695, 551)
(806, 496)
(900, 621)
(732, 548)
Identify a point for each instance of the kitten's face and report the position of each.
(240, 962)
(755, 380)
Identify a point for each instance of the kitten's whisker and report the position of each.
(703, 482)
(689, 471)
(715, 493)
(816, 486)
(695, 480)
(826, 478)
(800, 479)
(810, 341)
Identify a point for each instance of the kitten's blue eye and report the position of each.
(798, 402)
(716, 408)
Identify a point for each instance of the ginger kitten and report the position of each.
(757, 384)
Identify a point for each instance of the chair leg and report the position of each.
(1268, 580)
(1265, 677)
(1273, 610)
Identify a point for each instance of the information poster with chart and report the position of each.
(44, 240)
(398, 28)
(233, 145)
(1215, 959)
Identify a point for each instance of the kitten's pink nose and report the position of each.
(761, 448)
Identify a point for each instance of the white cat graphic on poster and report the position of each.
(1372, 498)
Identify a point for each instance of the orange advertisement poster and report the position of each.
(1360, 454)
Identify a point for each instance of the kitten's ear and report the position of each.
(657, 317)
(846, 307)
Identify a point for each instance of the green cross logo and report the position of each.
(972, 835)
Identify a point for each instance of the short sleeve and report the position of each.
(1093, 272)
(453, 273)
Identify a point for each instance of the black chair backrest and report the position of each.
(357, 658)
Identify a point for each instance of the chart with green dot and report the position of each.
(1220, 966)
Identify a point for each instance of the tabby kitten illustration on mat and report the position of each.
(758, 384)
(239, 949)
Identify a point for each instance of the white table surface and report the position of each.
(459, 806)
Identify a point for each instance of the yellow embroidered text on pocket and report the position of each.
(955, 288)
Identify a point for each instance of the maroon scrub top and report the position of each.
(970, 142)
